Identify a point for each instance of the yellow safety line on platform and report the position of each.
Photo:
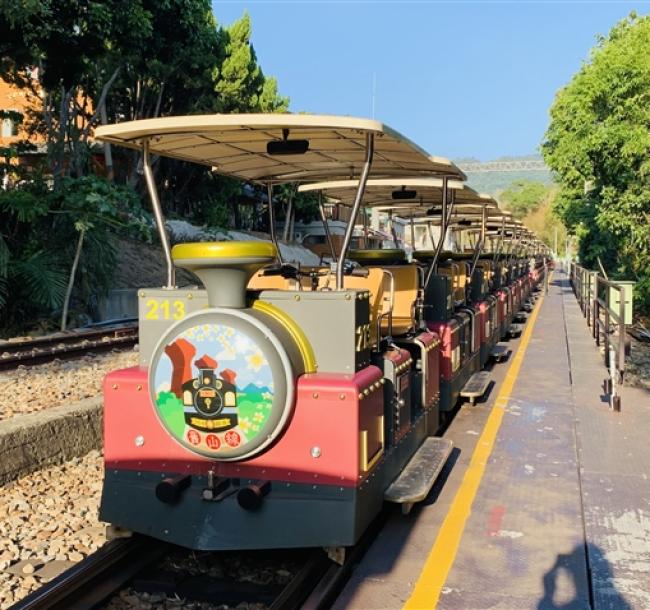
(441, 558)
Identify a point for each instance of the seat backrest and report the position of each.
(406, 283)
(488, 271)
(374, 284)
(459, 278)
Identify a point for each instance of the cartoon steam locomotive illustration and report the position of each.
(210, 402)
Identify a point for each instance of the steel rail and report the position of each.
(97, 577)
(46, 349)
(334, 579)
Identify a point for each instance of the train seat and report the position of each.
(406, 283)
(378, 256)
(374, 284)
(459, 279)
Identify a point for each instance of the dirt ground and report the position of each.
(637, 366)
(140, 264)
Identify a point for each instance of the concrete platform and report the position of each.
(35, 440)
(546, 503)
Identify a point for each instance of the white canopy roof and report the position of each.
(424, 192)
(236, 145)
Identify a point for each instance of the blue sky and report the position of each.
(461, 79)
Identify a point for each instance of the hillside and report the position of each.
(495, 176)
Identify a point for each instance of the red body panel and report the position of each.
(484, 311)
(502, 305)
(447, 331)
(432, 388)
(328, 414)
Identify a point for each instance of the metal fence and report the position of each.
(603, 304)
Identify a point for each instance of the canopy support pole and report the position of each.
(497, 250)
(289, 217)
(274, 235)
(364, 211)
(480, 243)
(433, 241)
(412, 233)
(515, 246)
(158, 215)
(370, 149)
(392, 228)
(445, 217)
(326, 227)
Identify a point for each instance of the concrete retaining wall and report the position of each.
(119, 304)
(31, 442)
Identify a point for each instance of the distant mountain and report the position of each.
(497, 175)
(251, 388)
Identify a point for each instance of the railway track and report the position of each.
(66, 345)
(133, 562)
(92, 580)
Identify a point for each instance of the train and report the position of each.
(276, 406)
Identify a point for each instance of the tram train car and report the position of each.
(275, 406)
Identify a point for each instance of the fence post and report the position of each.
(621, 332)
(595, 315)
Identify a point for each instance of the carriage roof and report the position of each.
(236, 145)
(383, 193)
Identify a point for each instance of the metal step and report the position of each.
(416, 480)
(520, 316)
(515, 330)
(476, 386)
(500, 352)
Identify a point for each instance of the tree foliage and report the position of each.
(94, 61)
(86, 62)
(598, 145)
(524, 196)
(533, 203)
(39, 230)
(545, 223)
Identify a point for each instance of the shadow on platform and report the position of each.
(572, 565)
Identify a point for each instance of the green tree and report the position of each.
(60, 50)
(91, 61)
(598, 145)
(524, 196)
(240, 83)
(42, 234)
(546, 224)
(92, 211)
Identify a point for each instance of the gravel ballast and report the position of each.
(48, 518)
(250, 570)
(31, 389)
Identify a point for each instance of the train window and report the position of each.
(9, 128)
(313, 240)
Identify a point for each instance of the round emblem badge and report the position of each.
(213, 388)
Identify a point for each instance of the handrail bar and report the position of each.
(604, 320)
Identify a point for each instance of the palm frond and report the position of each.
(3, 292)
(43, 279)
(5, 255)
